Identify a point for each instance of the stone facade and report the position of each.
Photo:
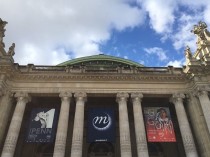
(132, 85)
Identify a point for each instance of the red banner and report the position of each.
(159, 125)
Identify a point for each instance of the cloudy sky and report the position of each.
(150, 32)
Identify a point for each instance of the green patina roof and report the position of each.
(100, 57)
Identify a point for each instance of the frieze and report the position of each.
(99, 77)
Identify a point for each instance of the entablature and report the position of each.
(33, 73)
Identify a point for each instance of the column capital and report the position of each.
(177, 97)
(200, 92)
(136, 96)
(5, 92)
(122, 96)
(189, 96)
(81, 96)
(23, 96)
(65, 94)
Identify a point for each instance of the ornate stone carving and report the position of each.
(136, 96)
(81, 96)
(122, 97)
(23, 96)
(201, 31)
(189, 143)
(200, 90)
(177, 97)
(2, 30)
(11, 51)
(188, 53)
(65, 94)
(96, 77)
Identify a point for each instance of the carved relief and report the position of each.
(201, 31)
(99, 77)
(11, 51)
(2, 30)
(189, 144)
(188, 53)
(142, 143)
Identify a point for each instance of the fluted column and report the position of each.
(125, 144)
(184, 126)
(14, 128)
(5, 109)
(141, 141)
(205, 105)
(77, 139)
(60, 142)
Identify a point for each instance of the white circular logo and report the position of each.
(102, 122)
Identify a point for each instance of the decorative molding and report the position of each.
(99, 77)
(2, 31)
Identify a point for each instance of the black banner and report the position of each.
(101, 125)
(42, 126)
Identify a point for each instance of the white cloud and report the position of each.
(125, 57)
(161, 14)
(206, 14)
(172, 22)
(183, 36)
(176, 63)
(56, 56)
(195, 4)
(157, 51)
(142, 62)
(50, 31)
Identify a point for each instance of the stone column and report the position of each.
(141, 141)
(205, 105)
(5, 109)
(60, 142)
(125, 144)
(14, 128)
(186, 133)
(77, 139)
(199, 125)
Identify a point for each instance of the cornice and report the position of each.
(100, 77)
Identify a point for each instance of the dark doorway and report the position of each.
(101, 149)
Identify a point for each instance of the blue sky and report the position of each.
(150, 32)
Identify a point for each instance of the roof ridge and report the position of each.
(100, 57)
